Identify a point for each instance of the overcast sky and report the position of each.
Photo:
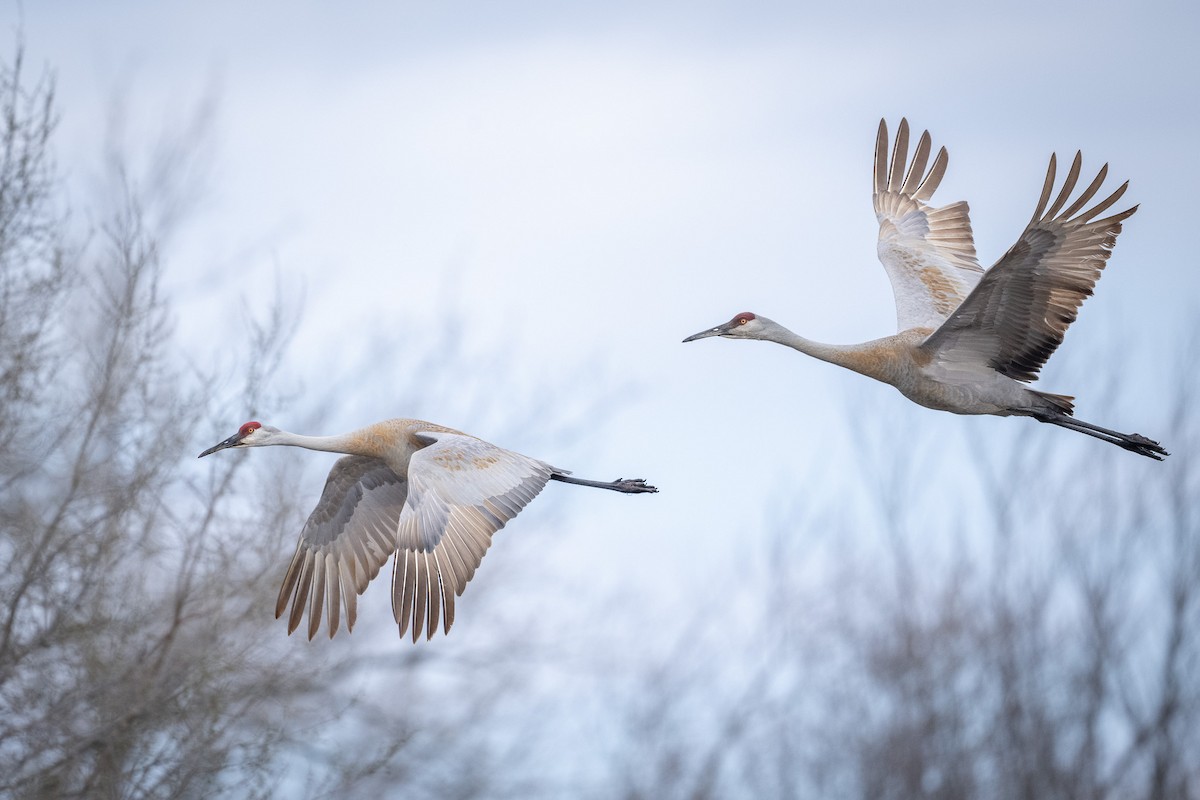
(607, 178)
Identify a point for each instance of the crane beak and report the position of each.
(717, 331)
(232, 441)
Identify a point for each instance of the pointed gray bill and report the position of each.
(232, 441)
(717, 331)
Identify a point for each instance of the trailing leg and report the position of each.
(625, 485)
(1133, 442)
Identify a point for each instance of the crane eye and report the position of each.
(743, 321)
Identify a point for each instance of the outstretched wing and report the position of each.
(347, 538)
(929, 253)
(1017, 315)
(461, 490)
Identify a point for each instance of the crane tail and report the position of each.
(1061, 402)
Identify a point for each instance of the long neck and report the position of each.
(868, 359)
(342, 443)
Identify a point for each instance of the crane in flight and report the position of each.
(430, 495)
(970, 340)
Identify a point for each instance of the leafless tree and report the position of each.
(138, 657)
(117, 585)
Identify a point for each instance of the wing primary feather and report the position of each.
(457, 561)
(435, 592)
(916, 170)
(302, 588)
(448, 608)
(362, 569)
(316, 600)
(1046, 187)
(349, 595)
(478, 540)
(899, 155)
(385, 541)
(333, 589)
(881, 143)
(1088, 193)
(422, 599)
(934, 178)
(473, 544)
(289, 580)
(347, 564)
(1104, 205)
(403, 585)
(1068, 184)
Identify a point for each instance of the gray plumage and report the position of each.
(969, 340)
(430, 496)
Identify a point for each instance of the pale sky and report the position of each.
(608, 178)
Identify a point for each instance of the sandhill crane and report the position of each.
(969, 340)
(430, 495)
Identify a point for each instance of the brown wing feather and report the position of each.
(1018, 314)
(461, 491)
(348, 537)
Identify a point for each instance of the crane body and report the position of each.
(969, 341)
(427, 495)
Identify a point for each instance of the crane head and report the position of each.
(743, 326)
(247, 436)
